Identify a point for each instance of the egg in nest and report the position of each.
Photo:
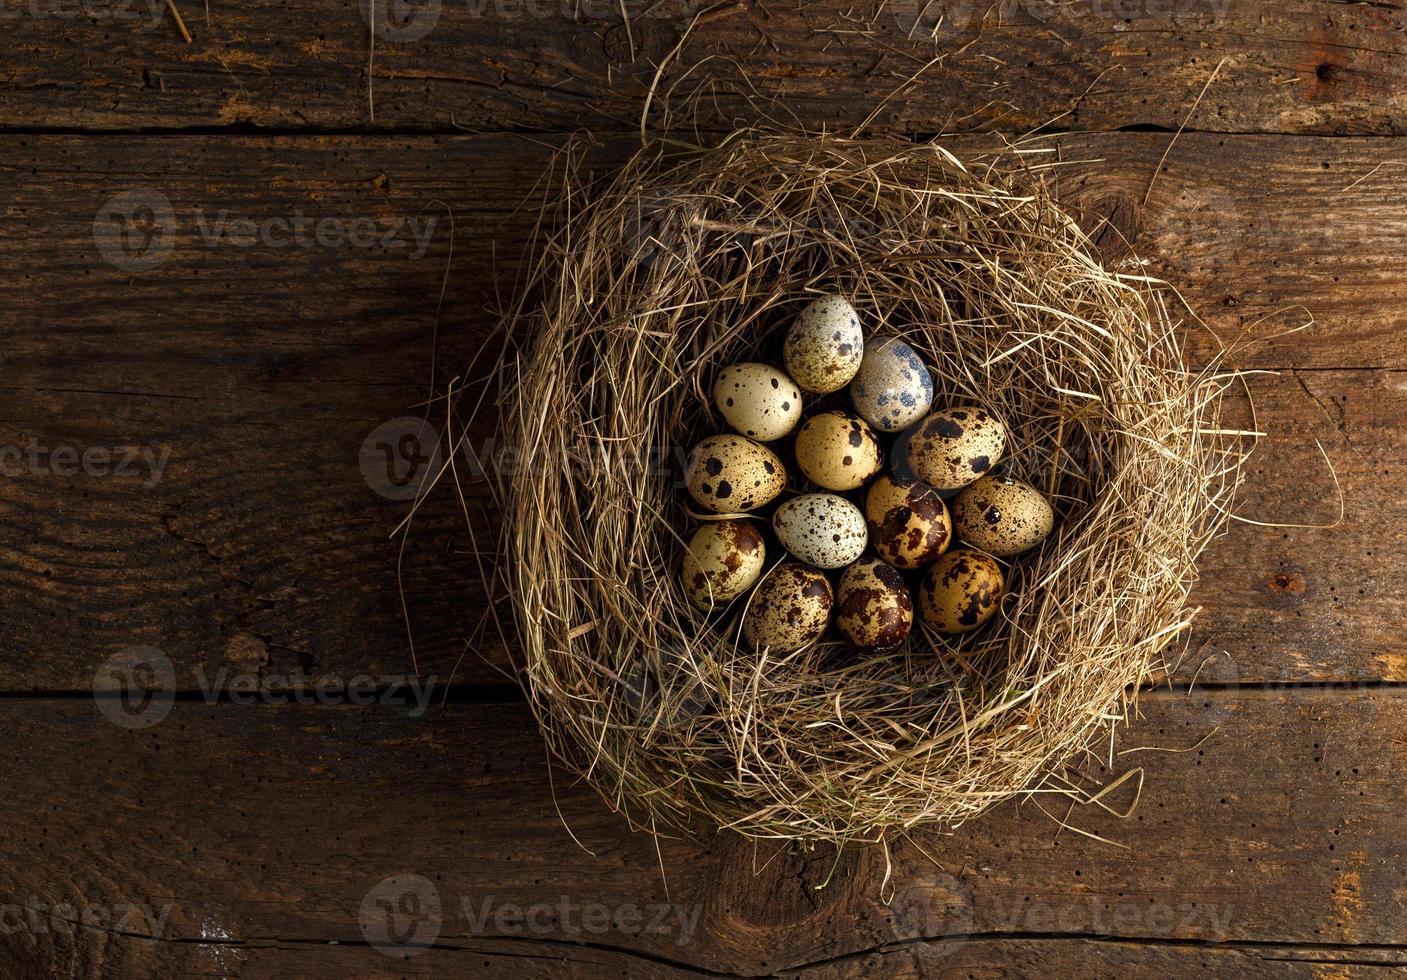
(758, 400)
(908, 522)
(838, 451)
(1002, 516)
(824, 346)
(893, 388)
(874, 608)
(723, 560)
(955, 446)
(790, 608)
(961, 591)
(730, 474)
(821, 529)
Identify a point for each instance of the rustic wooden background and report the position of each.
(148, 302)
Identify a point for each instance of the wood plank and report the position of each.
(257, 834)
(1304, 66)
(263, 369)
(975, 956)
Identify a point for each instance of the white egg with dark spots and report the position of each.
(837, 451)
(790, 608)
(758, 400)
(955, 446)
(825, 345)
(893, 388)
(821, 529)
(731, 474)
(723, 560)
(1002, 516)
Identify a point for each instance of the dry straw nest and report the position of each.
(681, 263)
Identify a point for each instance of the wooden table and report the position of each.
(223, 283)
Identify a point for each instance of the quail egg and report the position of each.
(837, 451)
(730, 474)
(723, 560)
(758, 400)
(1002, 516)
(908, 522)
(955, 446)
(789, 609)
(873, 606)
(893, 388)
(824, 346)
(821, 529)
(961, 591)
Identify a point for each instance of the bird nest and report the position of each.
(650, 282)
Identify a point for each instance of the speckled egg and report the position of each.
(908, 522)
(893, 388)
(789, 609)
(821, 529)
(825, 345)
(873, 606)
(758, 400)
(837, 451)
(955, 446)
(961, 591)
(731, 474)
(723, 560)
(1002, 516)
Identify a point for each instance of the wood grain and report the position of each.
(977, 956)
(257, 342)
(1304, 66)
(256, 834)
(263, 369)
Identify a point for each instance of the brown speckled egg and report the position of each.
(758, 400)
(908, 522)
(789, 609)
(955, 446)
(838, 451)
(874, 609)
(1002, 516)
(961, 591)
(825, 345)
(731, 474)
(722, 562)
(821, 529)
